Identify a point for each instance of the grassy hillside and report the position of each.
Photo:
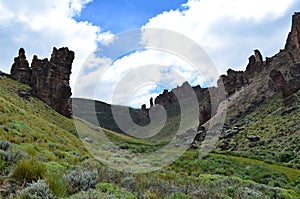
(104, 114)
(43, 157)
(33, 127)
(275, 125)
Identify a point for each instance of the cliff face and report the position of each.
(293, 41)
(280, 73)
(287, 62)
(49, 79)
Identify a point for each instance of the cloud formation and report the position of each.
(38, 26)
(229, 30)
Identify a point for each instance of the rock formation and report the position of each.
(49, 79)
(293, 42)
(280, 73)
(20, 69)
(144, 112)
(151, 102)
(235, 80)
(166, 98)
(287, 62)
(255, 66)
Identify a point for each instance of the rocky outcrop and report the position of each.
(255, 66)
(20, 69)
(235, 80)
(151, 102)
(49, 79)
(280, 73)
(166, 98)
(286, 75)
(293, 40)
(170, 98)
(144, 112)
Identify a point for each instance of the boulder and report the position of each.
(24, 94)
(253, 138)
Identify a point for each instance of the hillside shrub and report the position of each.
(28, 171)
(81, 180)
(56, 183)
(286, 156)
(36, 190)
(4, 145)
(117, 192)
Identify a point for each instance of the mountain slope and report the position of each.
(33, 126)
(40, 134)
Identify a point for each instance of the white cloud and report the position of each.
(218, 26)
(227, 29)
(38, 26)
(133, 78)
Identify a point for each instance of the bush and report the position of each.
(12, 157)
(82, 180)
(37, 190)
(57, 184)
(286, 156)
(4, 145)
(117, 192)
(128, 183)
(92, 194)
(28, 171)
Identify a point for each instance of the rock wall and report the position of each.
(286, 64)
(49, 79)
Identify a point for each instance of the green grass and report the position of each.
(35, 128)
(291, 173)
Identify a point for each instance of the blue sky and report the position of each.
(122, 15)
(227, 30)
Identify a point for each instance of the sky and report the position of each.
(113, 41)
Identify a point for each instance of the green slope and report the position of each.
(275, 124)
(40, 136)
(35, 128)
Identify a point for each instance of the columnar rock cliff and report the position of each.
(49, 79)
